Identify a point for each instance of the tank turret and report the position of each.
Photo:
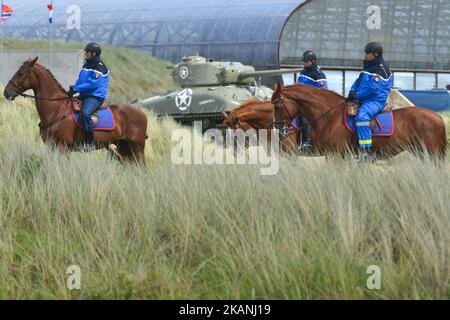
(209, 88)
(197, 71)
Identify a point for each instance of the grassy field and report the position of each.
(165, 232)
(134, 74)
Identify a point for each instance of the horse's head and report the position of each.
(285, 110)
(231, 121)
(21, 81)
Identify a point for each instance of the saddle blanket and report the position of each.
(385, 120)
(106, 121)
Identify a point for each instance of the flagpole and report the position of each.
(51, 40)
(51, 46)
(1, 38)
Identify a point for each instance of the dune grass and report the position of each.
(185, 232)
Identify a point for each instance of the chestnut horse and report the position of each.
(256, 115)
(126, 142)
(416, 129)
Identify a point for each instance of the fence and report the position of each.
(64, 64)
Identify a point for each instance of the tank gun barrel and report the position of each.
(267, 73)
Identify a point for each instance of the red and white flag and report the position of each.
(50, 12)
(6, 12)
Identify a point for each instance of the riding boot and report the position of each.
(363, 155)
(306, 144)
(88, 145)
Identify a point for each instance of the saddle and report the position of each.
(103, 120)
(352, 108)
(352, 111)
(77, 103)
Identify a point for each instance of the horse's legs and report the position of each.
(59, 146)
(436, 149)
(138, 152)
(130, 151)
(426, 145)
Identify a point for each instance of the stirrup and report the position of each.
(305, 146)
(363, 156)
(87, 148)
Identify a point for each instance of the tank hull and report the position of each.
(204, 104)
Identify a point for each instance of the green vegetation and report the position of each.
(135, 74)
(164, 231)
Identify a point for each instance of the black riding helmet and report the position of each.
(93, 47)
(374, 47)
(309, 55)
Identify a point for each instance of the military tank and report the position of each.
(208, 88)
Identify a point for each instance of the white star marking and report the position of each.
(184, 73)
(184, 99)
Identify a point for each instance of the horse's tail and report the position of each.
(444, 140)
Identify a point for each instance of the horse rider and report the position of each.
(311, 75)
(371, 91)
(92, 85)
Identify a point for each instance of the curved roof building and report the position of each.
(243, 30)
(264, 33)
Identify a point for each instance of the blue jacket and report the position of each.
(374, 83)
(313, 76)
(93, 80)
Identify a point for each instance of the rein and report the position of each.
(41, 98)
(51, 124)
(322, 115)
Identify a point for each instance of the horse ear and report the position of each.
(224, 115)
(277, 91)
(33, 62)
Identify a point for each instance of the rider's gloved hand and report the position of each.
(351, 96)
(71, 91)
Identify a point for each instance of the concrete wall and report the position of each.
(65, 65)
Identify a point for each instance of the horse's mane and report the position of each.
(313, 89)
(51, 76)
(248, 104)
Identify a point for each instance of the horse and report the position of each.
(55, 107)
(416, 129)
(257, 115)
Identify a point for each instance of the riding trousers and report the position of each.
(366, 113)
(90, 105)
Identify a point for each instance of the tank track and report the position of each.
(210, 120)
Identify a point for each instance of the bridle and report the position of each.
(19, 89)
(20, 92)
(286, 126)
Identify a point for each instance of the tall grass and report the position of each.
(166, 232)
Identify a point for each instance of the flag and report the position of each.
(50, 12)
(6, 12)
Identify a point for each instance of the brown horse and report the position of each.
(416, 129)
(257, 115)
(253, 114)
(126, 142)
